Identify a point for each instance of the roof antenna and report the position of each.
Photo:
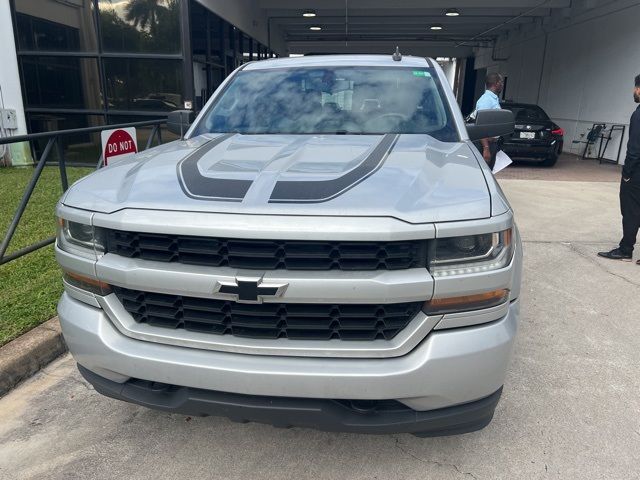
(397, 56)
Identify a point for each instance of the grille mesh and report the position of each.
(269, 320)
(269, 254)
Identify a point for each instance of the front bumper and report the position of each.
(449, 368)
(328, 415)
(529, 150)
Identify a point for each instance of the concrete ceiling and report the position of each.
(359, 26)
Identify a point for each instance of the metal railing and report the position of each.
(53, 141)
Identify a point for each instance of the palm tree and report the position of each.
(144, 13)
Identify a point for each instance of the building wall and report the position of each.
(88, 63)
(250, 18)
(11, 93)
(578, 65)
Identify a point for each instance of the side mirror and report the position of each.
(179, 121)
(491, 123)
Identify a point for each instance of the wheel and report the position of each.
(550, 161)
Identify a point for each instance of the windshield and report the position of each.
(362, 100)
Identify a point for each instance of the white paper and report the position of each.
(502, 162)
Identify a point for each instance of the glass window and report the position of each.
(231, 39)
(262, 52)
(239, 48)
(247, 48)
(527, 113)
(217, 77)
(144, 84)
(78, 148)
(61, 82)
(52, 25)
(217, 37)
(229, 45)
(143, 133)
(362, 100)
(200, 84)
(140, 26)
(198, 24)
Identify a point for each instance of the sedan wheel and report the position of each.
(550, 161)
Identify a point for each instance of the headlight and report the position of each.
(80, 235)
(471, 254)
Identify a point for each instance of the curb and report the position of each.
(24, 356)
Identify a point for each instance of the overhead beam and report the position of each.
(416, 48)
(407, 4)
(382, 21)
(468, 33)
(407, 13)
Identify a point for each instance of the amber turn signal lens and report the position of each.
(87, 283)
(439, 306)
(507, 237)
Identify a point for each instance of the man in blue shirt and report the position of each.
(490, 101)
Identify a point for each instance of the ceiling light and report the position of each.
(436, 27)
(315, 28)
(309, 13)
(452, 12)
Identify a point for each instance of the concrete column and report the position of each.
(449, 69)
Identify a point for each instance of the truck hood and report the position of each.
(414, 178)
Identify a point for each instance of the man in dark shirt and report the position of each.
(630, 189)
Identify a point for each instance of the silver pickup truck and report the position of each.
(323, 248)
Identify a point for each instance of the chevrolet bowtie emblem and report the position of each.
(249, 289)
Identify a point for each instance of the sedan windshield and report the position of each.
(351, 100)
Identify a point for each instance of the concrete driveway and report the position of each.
(570, 410)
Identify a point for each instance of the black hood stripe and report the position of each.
(297, 191)
(199, 187)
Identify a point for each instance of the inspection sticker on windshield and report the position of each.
(421, 73)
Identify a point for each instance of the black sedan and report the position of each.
(535, 137)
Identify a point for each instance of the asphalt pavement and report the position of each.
(570, 409)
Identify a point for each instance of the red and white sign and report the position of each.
(118, 144)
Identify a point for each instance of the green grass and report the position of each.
(31, 285)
